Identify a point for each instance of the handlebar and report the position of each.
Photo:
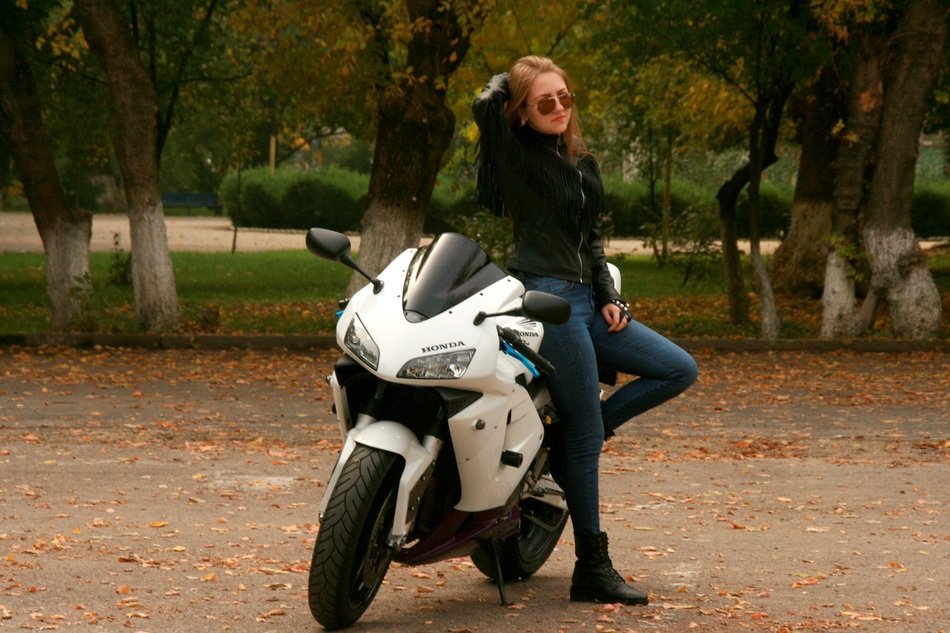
(514, 339)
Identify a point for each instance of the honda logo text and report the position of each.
(442, 346)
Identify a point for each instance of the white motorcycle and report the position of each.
(443, 412)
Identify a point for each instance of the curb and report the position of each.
(173, 341)
(816, 345)
(328, 341)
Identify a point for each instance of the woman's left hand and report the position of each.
(615, 317)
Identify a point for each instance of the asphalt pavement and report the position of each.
(177, 490)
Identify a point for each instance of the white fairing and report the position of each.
(480, 432)
(614, 274)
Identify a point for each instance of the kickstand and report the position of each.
(502, 591)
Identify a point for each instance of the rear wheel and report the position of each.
(524, 553)
(352, 553)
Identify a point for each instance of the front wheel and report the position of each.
(352, 553)
(523, 553)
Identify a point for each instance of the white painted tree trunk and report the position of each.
(68, 281)
(65, 232)
(153, 276)
(899, 269)
(838, 313)
(892, 82)
(387, 231)
(134, 106)
(770, 324)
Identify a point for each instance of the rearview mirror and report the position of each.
(545, 307)
(336, 246)
(328, 244)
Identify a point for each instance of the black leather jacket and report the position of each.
(555, 205)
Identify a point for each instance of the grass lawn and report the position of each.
(293, 292)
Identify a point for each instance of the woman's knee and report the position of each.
(685, 371)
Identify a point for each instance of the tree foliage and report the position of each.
(758, 51)
(657, 81)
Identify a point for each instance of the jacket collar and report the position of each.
(531, 135)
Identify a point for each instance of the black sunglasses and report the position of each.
(547, 104)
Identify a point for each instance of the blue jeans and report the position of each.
(664, 370)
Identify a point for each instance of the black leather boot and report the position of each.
(595, 579)
(608, 432)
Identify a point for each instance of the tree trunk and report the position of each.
(414, 130)
(728, 197)
(837, 315)
(840, 316)
(134, 113)
(898, 267)
(874, 176)
(65, 232)
(763, 139)
(761, 147)
(652, 178)
(667, 196)
(68, 280)
(410, 144)
(798, 266)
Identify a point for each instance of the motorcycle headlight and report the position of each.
(447, 365)
(358, 341)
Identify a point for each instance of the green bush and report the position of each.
(930, 210)
(627, 204)
(630, 210)
(311, 202)
(452, 206)
(334, 198)
(259, 207)
(291, 199)
(775, 211)
(345, 215)
(493, 233)
(252, 197)
(228, 193)
(298, 206)
(632, 214)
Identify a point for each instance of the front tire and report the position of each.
(352, 553)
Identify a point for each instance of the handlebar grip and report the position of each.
(514, 339)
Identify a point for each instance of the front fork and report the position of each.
(393, 437)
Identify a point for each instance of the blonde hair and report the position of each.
(520, 79)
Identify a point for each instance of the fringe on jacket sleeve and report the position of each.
(494, 136)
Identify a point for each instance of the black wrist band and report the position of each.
(624, 308)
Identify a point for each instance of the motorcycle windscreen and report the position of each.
(445, 273)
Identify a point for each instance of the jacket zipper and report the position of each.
(580, 260)
(580, 243)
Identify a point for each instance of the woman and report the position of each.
(535, 167)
